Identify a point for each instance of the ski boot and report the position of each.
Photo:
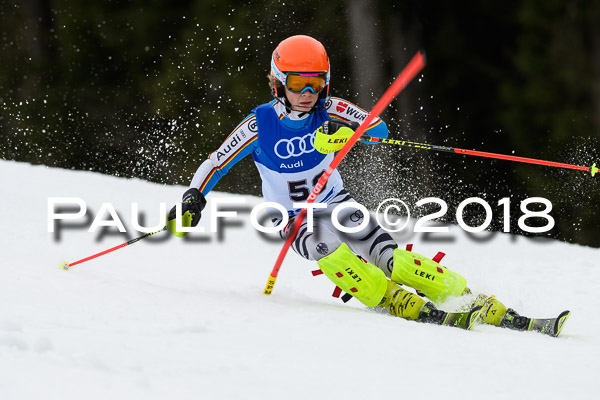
(405, 304)
(495, 313)
(492, 311)
(512, 320)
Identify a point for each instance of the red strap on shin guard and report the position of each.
(337, 292)
(438, 257)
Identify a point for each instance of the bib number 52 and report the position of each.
(299, 190)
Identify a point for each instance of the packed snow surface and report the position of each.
(167, 318)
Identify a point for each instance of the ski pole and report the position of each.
(366, 138)
(66, 265)
(414, 66)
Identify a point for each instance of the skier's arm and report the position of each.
(241, 142)
(344, 110)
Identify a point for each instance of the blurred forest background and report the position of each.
(148, 88)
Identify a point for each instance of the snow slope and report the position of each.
(188, 320)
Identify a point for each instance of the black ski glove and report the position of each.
(192, 204)
(331, 126)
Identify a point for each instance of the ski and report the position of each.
(547, 326)
(462, 320)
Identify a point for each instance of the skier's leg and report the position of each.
(362, 280)
(375, 245)
(437, 283)
(370, 286)
(426, 276)
(371, 242)
(312, 245)
(356, 276)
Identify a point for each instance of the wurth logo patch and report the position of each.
(341, 107)
(359, 115)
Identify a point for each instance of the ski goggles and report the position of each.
(299, 82)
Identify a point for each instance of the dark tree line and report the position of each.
(148, 89)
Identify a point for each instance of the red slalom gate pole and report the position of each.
(414, 66)
(66, 265)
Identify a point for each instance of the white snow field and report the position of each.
(188, 320)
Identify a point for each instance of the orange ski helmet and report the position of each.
(300, 53)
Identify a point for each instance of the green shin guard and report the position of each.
(362, 280)
(426, 276)
(370, 286)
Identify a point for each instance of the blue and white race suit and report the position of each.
(282, 146)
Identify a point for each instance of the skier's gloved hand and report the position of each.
(333, 135)
(192, 204)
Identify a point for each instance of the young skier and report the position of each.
(292, 139)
